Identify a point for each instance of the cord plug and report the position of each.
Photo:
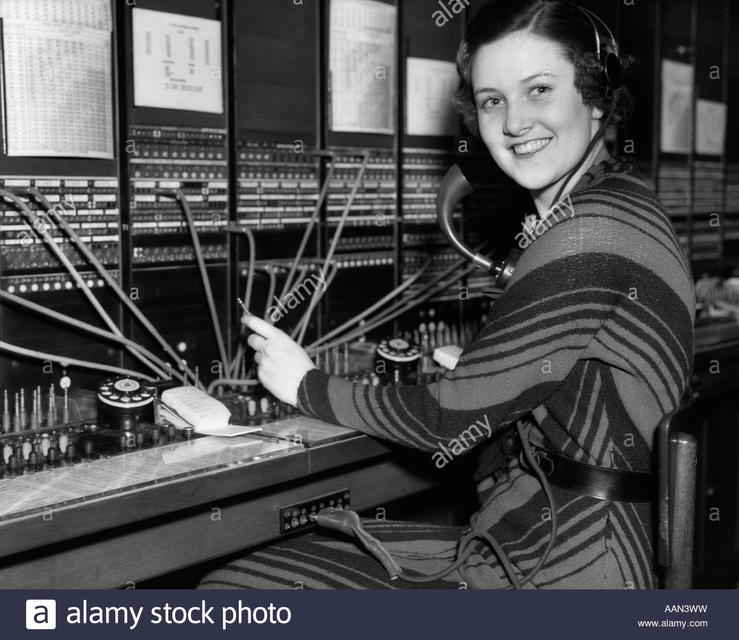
(349, 523)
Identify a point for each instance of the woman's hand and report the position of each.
(282, 362)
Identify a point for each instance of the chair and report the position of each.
(677, 461)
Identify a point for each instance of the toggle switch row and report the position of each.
(34, 411)
(29, 454)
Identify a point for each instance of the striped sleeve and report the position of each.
(596, 285)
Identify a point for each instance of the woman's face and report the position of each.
(531, 117)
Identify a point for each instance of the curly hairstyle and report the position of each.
(561, 22)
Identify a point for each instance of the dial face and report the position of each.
(127, 385)
(124, 393)
(398, 350)
(399, 344)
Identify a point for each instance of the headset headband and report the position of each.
(609, 60)
(592, 17)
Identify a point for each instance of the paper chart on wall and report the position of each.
(677, 102)
(92, 14)
(177, 62)
(362, 66)
(710, 123)
(430, 89)
(58, 90)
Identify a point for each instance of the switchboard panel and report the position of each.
(163, 161)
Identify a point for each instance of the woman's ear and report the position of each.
(596, 113)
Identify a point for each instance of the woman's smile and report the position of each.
(529, 149)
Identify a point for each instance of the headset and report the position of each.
(454, 186)
(610, 60)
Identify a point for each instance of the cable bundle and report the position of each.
(158, 366)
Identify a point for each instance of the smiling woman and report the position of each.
(539, 85)
(588, 348)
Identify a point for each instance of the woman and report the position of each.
(588, 348)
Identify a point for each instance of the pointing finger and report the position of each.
(263, 328)
(256, 341)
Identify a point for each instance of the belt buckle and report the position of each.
(547, 469)
(543, 461)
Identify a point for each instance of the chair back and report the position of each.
(677, 462)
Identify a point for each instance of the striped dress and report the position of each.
(590, 345)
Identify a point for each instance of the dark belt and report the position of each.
(597, 482)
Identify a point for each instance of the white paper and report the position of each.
(677, 101)
(710, 122)
(92, 14)
(177, 62)
(430, 88)
(225, 431)
(58, 90)
(362, 66)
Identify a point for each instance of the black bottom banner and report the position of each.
(353, 615)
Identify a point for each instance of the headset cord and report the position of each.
(598, 135)
(348, 522)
